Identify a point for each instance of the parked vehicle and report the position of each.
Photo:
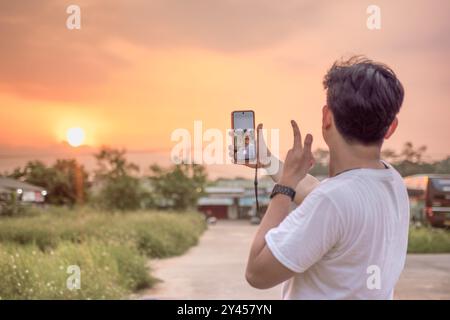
(429, 198)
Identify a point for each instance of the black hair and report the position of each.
(364, 97)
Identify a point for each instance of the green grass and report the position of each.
(428, 240)
(106, 272)
(110, 249)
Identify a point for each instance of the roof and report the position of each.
(431, 175)
(224, 190)
(13, 184)
(204, 201)
(263, 182)
(263, 199)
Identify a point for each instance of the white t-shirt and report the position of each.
(348, 238)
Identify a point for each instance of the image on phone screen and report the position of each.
(244, 136)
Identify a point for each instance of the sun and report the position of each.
(75, 136)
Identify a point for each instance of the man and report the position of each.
(348, 237)
(247, 151)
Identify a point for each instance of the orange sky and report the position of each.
(137, 70)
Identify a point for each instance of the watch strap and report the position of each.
(281, 189)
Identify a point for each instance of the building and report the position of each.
(25, 192)
(221, 202)
(220, 208)
(233, 200)
(247, 203)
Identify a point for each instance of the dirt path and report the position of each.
(215, 270)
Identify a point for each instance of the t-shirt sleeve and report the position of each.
(306, 234)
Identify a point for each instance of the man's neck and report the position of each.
(345, 157)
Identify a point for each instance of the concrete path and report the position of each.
(426, 276)
(215, 270)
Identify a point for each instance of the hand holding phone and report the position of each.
(262, 152)
(244, 140)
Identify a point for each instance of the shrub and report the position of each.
(111, 250)
(155, 234)
(106, 272)
(428, 240)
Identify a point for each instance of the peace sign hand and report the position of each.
(299, 159)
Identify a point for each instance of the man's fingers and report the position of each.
(308, 143)
(297, 136)
(259, 134)
(231, 151)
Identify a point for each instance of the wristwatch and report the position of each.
(288, 191)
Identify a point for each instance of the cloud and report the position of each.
(41, 58)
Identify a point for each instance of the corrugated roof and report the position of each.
(225, 190)
(12, 184)
(214, 201)
(250, 201)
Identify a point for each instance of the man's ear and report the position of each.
(326, 117)
(391, 128)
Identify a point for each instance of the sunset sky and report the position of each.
(137, 70)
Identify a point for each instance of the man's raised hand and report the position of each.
(299, 159)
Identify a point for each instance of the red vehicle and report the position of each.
(430, 198)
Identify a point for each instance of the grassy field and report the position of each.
(428, 240)
(111, 250)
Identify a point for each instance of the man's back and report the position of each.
(348, 239)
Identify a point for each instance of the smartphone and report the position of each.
(244, 141)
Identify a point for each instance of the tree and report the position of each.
(112, 163)
(59, 180)
(389, 155)
(410, 160)
(442, 166)
(178, 187)
(321, 157)
(121, 193)
(409, 153)
(71, 180)
(120, 188)
(10, 206)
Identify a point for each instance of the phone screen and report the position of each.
(244, 135)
